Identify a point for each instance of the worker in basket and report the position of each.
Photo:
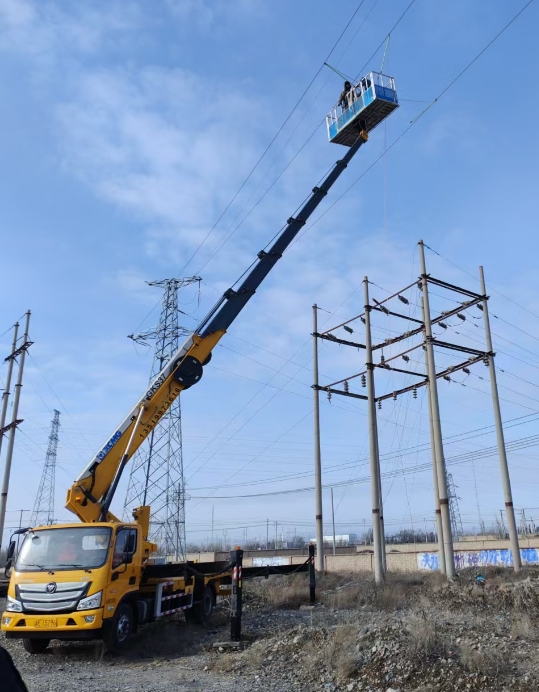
(343, 98)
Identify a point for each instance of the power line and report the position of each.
(287, 119)
(412, 123)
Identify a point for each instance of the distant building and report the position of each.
(341, 540)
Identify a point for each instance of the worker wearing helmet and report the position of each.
(343, 98)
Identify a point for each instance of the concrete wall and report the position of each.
(400, 558)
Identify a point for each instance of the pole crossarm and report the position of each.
(385, 366)
(379, 302)
(18, 352)
(463, 349)
(394, 295)
(449, 313)
(396, 339)
(352, 319)
(339, 391)
(443, 373)
(345, 379)
(443, 316)
(452, 287)
(11, 425)
(396, 314)
(344, 342)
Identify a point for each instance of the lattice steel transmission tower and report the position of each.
(157, 468)
(43, 512)
(454, 510)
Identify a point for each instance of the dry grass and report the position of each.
(427, 641)
(281, 592)
(484, 660)
(522, 626)
(358, 591)
(340, 654)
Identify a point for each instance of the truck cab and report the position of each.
(75, 582)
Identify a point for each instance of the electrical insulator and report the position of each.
(447, 378)
(480, 306)
(461, 317)
(414, 392)
(394, 396)
(348, 329)
(379, 404)
(362, 319)
(485, 360)
(406, 358)
(363, 380)
(443, 325)
(403, 300)
(329, 397)
(466, 370)
(346, 386)
(382, 359)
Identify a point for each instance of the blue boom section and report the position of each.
(234, 300)
(369, 102)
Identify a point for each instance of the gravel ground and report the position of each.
(162, 656)
(412, 635)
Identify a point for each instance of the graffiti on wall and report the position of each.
(480, 558)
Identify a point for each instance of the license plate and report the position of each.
(45, 623)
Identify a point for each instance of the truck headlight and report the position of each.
(13, 605)
(90, 602)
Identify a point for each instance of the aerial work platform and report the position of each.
(366, 105)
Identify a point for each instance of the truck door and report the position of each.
(125, 570)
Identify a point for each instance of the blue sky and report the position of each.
(127, 127)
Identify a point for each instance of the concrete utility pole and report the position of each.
(373, 444)
(11, 443)
(317, 451)
(436, 425)
(439, 529)
(380, 497)
(333, 520)
(504, 468)
(5, 395)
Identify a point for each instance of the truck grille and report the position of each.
(51, 597)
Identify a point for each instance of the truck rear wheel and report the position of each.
(35, 646)
(120, 629)
(202, 611)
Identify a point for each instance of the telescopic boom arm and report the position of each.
(91, 494)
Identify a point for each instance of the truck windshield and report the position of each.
(64, 549)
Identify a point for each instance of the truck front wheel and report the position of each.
(35, 646)
(120, 629)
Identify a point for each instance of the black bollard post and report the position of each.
(236, 558)
(312, 575)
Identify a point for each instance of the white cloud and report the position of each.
(162, 144)
(44, 30)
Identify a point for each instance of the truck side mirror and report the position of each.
(10, 550)
(9, 559)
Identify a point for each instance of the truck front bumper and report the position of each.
(83, 624)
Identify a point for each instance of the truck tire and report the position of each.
(120, 629)
(202, 611)
(35, 646)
